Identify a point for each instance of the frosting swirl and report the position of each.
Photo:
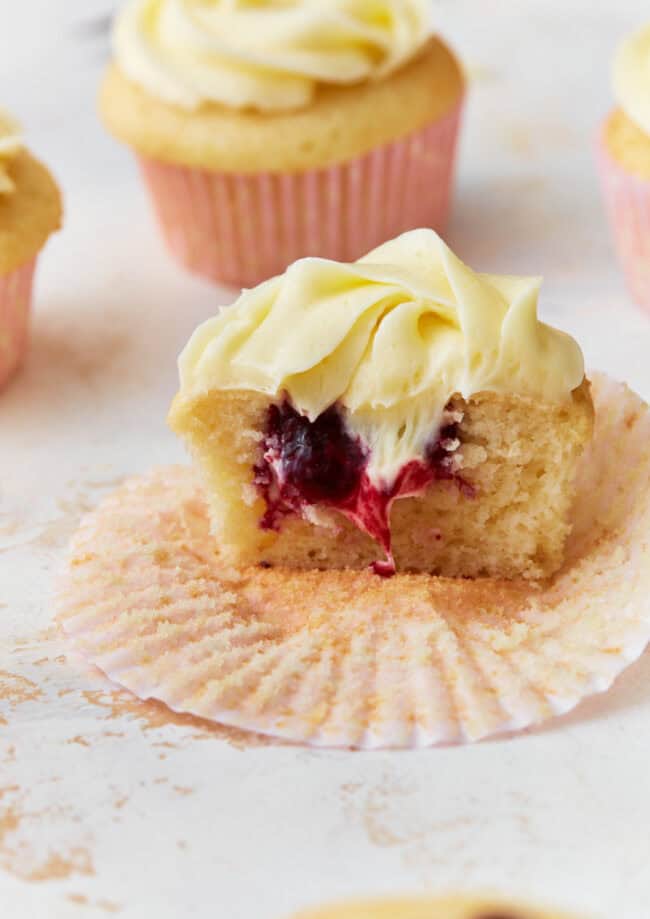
(631, 74)
(11, 143)
(390, 338)
(266, 54)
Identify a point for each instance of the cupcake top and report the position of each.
(631, 75)
(11, 143)
(451, 907)
(30, 200)
(270, 55)
(389, 338)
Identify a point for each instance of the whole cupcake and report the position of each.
(625, 162)
(30, 210)
(450, 907)
(271, 131)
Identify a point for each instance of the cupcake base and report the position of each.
(627, 200)
(343, 658)
(242, 229)
(449, 907)
(15, 310)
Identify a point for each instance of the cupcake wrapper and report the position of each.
(242, 229)
(627, 199)
(15, 309)
(344, 658)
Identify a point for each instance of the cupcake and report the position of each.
(268, 132)
(451, 907)
(401, 412)
(624, 154)
(30, 210)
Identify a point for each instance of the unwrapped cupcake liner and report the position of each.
(15, 310)
(627, 199)
(345, 658)
(242, 229)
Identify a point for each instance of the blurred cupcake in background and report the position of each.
(624, 153)
(30, 210)
(271, 131)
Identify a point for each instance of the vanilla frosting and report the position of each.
(11, 144)
(632, 78)
(390, 338)
(266, 54)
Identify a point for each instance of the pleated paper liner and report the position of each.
(450, 907)
(344, 658)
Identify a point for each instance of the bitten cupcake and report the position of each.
(625, 162)
(403, 412)
(271, 131)
(30, 210)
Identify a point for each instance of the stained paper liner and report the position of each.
(627, 199)
(449, 907)
(15, 309)
(242, 229)
(345, 658)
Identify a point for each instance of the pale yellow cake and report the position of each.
(30, 201)
(626, 134)
(399, 410)
(627, 144)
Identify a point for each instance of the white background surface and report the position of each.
(108, 806)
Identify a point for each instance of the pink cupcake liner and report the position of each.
(347, 659)
(627, 199)
(15, 309)
(242, 229)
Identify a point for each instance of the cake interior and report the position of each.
(491, 496)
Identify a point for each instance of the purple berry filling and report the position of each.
(307, 462)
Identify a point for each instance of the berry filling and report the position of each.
(306, 463)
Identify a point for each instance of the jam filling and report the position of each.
(306, 463)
